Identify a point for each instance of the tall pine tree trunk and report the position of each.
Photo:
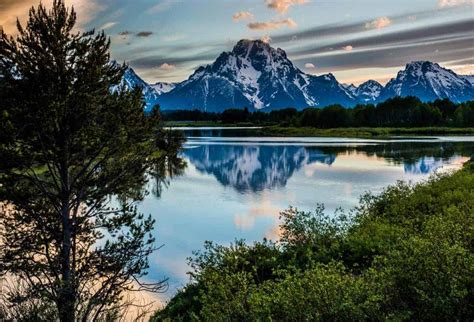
(67, 296)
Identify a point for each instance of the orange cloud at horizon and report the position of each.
(11, 10)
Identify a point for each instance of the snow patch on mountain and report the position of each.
(429, 81)
(163, 87)
(369, 92)
(470, 78)
(258, 76)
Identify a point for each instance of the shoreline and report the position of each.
(353, 132)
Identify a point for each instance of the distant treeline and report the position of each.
(394, 112)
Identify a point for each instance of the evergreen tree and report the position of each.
(72, 140)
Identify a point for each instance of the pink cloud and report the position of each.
(379, 23)
(167, 67)
(242, 15)
(290, 23)
(282, 6)
(454, 3)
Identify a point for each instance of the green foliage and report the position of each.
(361, 132)
(72, 138)
(405, 254)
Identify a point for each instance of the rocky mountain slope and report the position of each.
(258, 76)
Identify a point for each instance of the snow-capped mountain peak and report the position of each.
(429, 81)
(369, 92)
(470, 78)
(350, 87)
(255, 75)
(163, 87)
(131, 79)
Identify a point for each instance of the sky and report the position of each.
(356, 40)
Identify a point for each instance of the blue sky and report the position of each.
(165, 40)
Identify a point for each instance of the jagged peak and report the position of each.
(244, 45)
(329, 77)
(248, 47)
(255, 73)
(370, 83)
(423, 65)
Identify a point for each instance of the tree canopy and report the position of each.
(394, 112)
(75, 152)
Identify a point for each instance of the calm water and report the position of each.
(234, 185)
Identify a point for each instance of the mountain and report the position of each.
(470, 78)
(369, 92)
(255, 75)
(350, 88)
(150, 93)
(429, 81)
(258, 76)
(163, 87)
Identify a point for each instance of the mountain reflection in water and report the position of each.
(254, 167)
(235, 184)
(257, 167)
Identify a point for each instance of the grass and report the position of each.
(361, 132)
(365, 132)
(205, 124)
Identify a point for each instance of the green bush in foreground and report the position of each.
(405, 254)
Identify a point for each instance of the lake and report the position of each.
(235, 185)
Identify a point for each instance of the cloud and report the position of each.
(10, 10)
(382, 57)
(266, 39)
(290, 23)
(144, 34)
(108, 25)
(454, 3)
(328, 31)
(309, 66)
(448, 31)
(124, 33)
(173, 37)
(454, 41)
(86, 10)
(162, 6)
(379, 23)
(167, 67)
(242, 15)
(347, 48)
(282, 6)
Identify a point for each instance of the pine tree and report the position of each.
(73, 142)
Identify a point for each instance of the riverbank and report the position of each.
(359, 132)
(362, 132)
(403, 254)
(206, 124)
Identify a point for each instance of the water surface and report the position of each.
(235, 185)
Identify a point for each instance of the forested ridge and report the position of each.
(394, 112)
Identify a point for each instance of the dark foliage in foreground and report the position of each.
(68, 144)
(405, 254)
(394, 112)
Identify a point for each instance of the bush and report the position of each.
(405, 254)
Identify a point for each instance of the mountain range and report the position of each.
(258, 76)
